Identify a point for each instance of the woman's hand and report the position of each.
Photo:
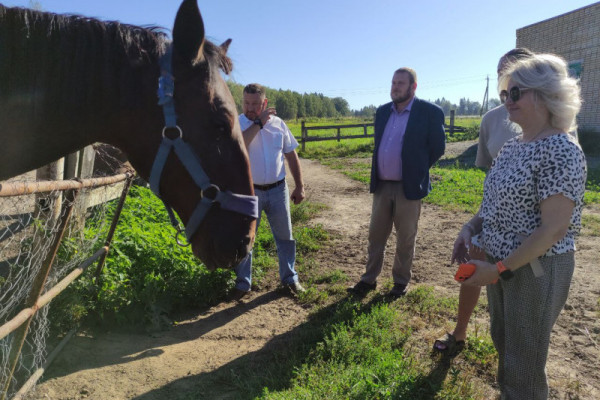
(485, 273)
(460, 252)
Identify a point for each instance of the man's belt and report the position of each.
(269, 186)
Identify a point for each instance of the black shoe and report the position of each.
(397, 291)
(362, 288)
(294, 287)
(238, 294)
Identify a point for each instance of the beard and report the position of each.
(402, 97)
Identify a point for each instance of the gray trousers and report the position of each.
(392, 208)
(523, 311)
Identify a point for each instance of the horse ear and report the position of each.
(225, 46)
(188, 32)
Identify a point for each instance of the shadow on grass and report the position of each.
(274, 365)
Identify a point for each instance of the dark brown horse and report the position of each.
(70, 81)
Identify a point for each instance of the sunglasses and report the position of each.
(514, 93)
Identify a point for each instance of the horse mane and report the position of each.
(81, 63)
(215, 54)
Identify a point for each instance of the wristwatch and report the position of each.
(258, 122)
(504, 272)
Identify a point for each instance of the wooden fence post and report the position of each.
(338, 134)
(71, 165)
(303, 135)
(48, 205)
(85, 170)
(451, 122)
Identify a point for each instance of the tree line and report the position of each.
(465, 106)
(293, 105)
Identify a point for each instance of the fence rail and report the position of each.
(23, 188)
(305, 138)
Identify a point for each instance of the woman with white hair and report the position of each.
(528, 220)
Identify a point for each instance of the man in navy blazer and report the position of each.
(409, 139)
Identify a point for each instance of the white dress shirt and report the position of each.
(266, 151)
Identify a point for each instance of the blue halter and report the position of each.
(243, 204)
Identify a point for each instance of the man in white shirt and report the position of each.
(269, 141)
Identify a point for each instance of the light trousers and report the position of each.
(390, 209)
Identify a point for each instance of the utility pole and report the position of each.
(484, 104)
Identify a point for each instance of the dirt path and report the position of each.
(163, 365)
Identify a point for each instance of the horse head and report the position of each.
(206, 119)
(69, 81)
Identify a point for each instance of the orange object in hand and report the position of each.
(464, 272)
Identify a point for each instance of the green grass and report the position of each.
(147, 277)
(591, 224)
(350, 349)
(456, 188)
(465, 121)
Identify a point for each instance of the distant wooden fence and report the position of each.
(339, 135)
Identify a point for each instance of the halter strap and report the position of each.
(243, 204)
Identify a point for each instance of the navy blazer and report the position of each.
(423, 144)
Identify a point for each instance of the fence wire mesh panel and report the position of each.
(29, 224)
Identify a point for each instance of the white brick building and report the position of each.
(575, 36)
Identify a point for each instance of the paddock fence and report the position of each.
(43, 249)
(353, 131)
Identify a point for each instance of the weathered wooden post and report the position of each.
(48, 205)
(338, 134)
(303, 135)
(85, 170)
(71, 165)
(451, 122)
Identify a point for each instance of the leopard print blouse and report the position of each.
(521, 177)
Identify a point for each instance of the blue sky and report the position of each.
(349, 48)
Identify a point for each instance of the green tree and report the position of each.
(237, 91)
(446, 105)
(366, 112)
(341, 106)
(287, 108)
(329, 109)
(300, 105)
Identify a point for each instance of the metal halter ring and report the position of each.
(172, 127)
(208, 192)
(181, 232)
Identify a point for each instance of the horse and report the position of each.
(67, 81)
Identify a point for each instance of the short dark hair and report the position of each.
(253, 88)
(412, 74)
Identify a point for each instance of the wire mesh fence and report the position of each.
(31, 214)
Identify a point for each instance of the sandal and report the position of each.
(448, 344)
